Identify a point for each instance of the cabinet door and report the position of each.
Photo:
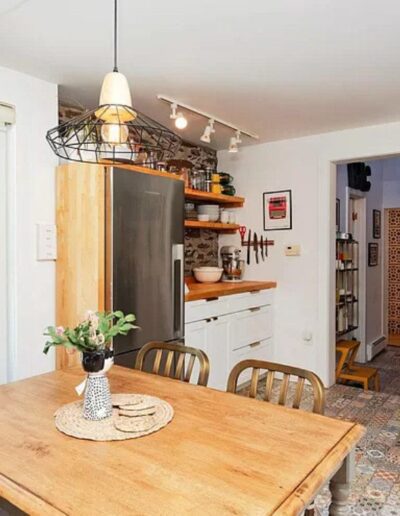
(196, 337)
(211, 336)
(217, 334)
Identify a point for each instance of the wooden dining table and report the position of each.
(221, 454)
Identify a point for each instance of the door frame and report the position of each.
(361, 332)
(11, 252)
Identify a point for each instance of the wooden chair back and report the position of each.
(166, 352)
(270, 369)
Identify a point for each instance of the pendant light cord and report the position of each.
(115, 36)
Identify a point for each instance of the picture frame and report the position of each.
(337, 214)
(376, 224)
(277, 210)
(373, 252)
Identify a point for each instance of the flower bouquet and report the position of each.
(93, 338)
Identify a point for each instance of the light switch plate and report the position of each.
(46, 241)
(292, 250)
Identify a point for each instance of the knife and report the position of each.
(262, 248)
(255, 245)
(248, 247)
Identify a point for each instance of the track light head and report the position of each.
(173, 114)
(180, 121)
(206, 137)
(233, 144)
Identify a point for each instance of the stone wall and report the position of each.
(201, 249)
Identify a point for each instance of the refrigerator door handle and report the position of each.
(177, 291)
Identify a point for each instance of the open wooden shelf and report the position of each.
(216, 226)
(227, 200)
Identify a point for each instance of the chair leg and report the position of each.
(365, 384)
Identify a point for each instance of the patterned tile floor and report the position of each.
(376, 488)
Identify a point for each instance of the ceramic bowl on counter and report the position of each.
(208, 274)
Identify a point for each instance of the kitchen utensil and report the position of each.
(255, 246)
(242, 232)
(248, 247)
(232, 264)
(262, 248)
(208, 274)
(266, 246)
(232, 217)
(203, 217)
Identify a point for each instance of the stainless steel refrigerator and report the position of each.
(144, 257)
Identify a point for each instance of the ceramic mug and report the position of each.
(224, 217)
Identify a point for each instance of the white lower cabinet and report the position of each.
(228, 338)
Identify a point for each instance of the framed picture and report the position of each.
(277, 210)
(376, 224)
(337, 214)
(373, 254)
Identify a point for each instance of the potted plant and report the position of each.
(93, 338)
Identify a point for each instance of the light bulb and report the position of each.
(180, 121)
(114, 134)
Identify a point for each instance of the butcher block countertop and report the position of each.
(211, 290)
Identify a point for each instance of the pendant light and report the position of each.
(114, 131)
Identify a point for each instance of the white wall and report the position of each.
(33, 181)
(306, 284)
(391, 183)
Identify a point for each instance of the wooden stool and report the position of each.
(347, 370)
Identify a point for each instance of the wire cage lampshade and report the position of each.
(105, 134)
(114, 131)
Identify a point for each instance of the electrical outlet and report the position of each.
(292, 250)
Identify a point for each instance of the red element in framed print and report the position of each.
(277, 210)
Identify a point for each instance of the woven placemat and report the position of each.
(69, 419)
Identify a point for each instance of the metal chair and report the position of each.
(181, 371)
(270, 368)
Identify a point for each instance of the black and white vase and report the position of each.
(97, 402)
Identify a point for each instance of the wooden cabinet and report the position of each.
(228, 331)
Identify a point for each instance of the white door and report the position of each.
(3, 256)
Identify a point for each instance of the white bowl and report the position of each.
(208, 274)
(210, 207)
(203, 217)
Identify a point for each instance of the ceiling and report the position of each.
(279, 68)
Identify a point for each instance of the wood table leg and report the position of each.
(340, 487)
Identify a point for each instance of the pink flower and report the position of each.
(60, 331)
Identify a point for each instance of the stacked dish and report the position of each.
(212, 210)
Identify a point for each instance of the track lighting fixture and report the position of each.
(234, 141)
(206, 137)
(180, 120)
(233, 145)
